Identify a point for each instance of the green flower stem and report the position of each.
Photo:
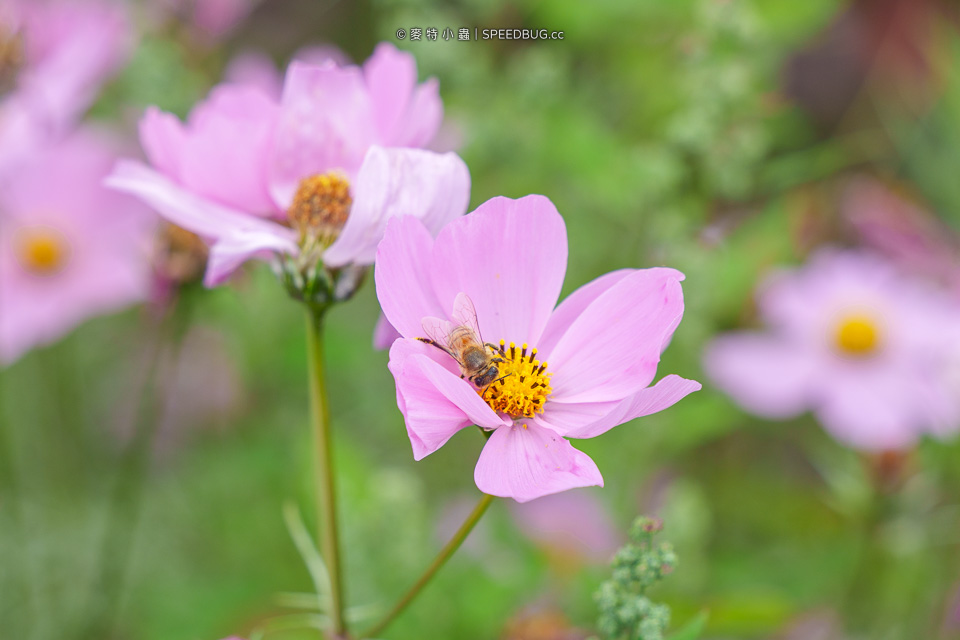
(438, 562)
(323, 448)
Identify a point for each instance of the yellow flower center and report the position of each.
(321, 207)
(857, 336)
(41, 250)
(523, 385)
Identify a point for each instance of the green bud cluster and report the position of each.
(626, 613)
(316, 284)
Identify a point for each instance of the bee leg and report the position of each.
(484, 394)
(432, 342)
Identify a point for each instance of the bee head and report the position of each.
(488, 376)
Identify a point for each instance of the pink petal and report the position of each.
(255, 69)
(435, 402)
(188, 210)
(424, 117)
(403, 274)
(391, 76)
(612, 349)
(527, 463)
(162, 138)
(396, 182)
(225, 154)
(880, 409)
(70, 49)
(324, 126)
(666, 393)
(510, 257)
(573, 305)
(230, 251)
(406, 115)
(384, 334)
(768, 376)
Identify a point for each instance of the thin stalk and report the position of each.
(124, 508)
(323, 448)
(438, 562)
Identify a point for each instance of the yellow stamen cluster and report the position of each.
(41, 250)
(321, 207)
(857, 335)
(523, 386)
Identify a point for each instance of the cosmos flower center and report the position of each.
(41, 250)
(523, 384)
(857, 335)
(321, 206)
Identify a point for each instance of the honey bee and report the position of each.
(461, 339)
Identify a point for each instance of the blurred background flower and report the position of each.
(59, 55)
(867, 349)
(70, 249)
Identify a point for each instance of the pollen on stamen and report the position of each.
(522, 387)
(321, 206)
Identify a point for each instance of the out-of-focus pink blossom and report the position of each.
(215, 18)
(452, 516)
(867, 349)
(70, 249)
(255, 68)
(499, 271)
(69, 49)
(902, 230)
(575, 523)
(236, 171)
(207, 20)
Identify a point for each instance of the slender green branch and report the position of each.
(326, 489)
(438, 562)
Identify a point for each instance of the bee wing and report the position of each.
(439, 331)
(464, 314)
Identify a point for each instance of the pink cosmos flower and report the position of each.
(69, 248)
(326, 160)
(506, 261)
(863, 347)
(66, 50)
